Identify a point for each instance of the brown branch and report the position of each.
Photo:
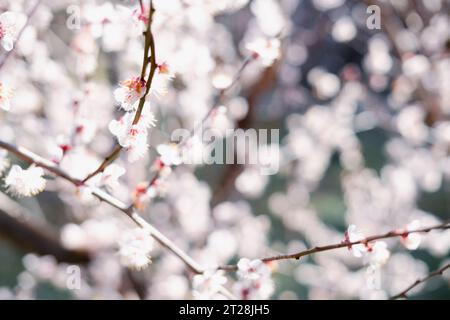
(29, 15)
(31, 235)
(32, 238)
(232, 171)
(149, 46)
(30, 157)
(365, 241)
(404, 293)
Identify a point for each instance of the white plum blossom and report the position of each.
(5, 97)
(10, 24)
(139, 17)
(135, 247)
(265, 50)
(252, 269)
(25, 182)
(254, 280)
(412, 240)
(378, 253)
(85, 130)
(169, 154)
(143, 193)
(122, 128)
(352, 235)
(136, 143)
(133, 137)
(207, 285)
(160, 84)
(129, 92)
(110, 176)
(375, 253)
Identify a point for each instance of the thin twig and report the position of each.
(344, 244)
(19, 35)
(404, 293)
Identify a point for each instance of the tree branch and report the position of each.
(436, 273)
(365, 241)
(32, 158)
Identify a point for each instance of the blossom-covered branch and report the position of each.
(366, 242)
(404, 293)
(19, 34)
(138, 85)
(32, 158)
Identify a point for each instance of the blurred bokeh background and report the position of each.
(364, 120)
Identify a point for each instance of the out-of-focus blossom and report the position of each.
(207, 284)
(10, 24)
(166, 69)
(110, 176)
(129, 92)
(160, 83)
(221, 80)
(326, 85)
(85, 130)
(223, 6)
(352, 235)
(169, 154)
(4, 162)
(135, 248)
(344, 30)
(265, 50)
(271, 10)
(5, 97)
(410, 124)
(251, 182)
(25, 182)
(91, 235)
(255, 280)
(327, 4)
(144, 192)
(412, 240)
